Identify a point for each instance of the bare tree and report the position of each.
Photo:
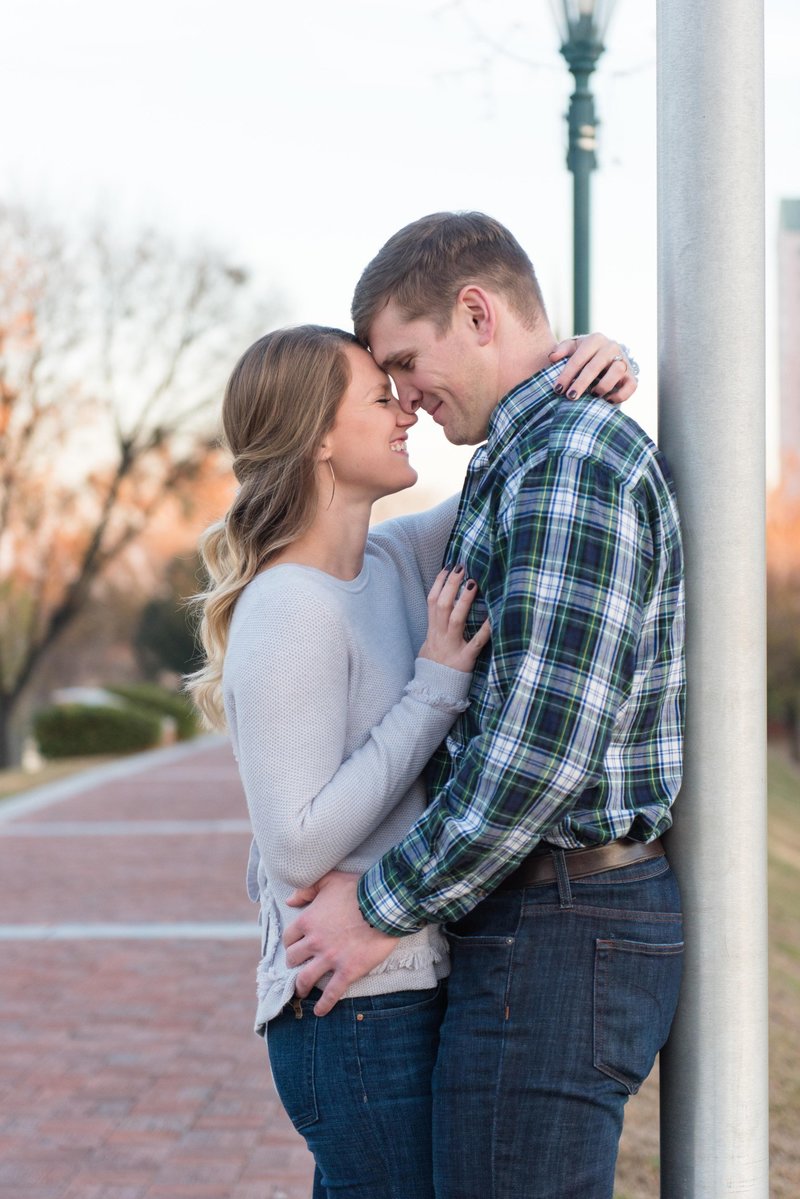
(113, 355)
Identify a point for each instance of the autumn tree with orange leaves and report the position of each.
(113, 357)
(783, 608)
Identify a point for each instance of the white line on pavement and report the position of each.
(129, 932)
(123, 828)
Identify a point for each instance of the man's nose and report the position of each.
(409, 398)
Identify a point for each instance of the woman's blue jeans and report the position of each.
(559, 999)
(357, 1085)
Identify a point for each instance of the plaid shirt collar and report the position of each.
(524, 407)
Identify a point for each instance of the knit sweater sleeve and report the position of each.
(287, 695)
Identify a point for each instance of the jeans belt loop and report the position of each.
(558, 859)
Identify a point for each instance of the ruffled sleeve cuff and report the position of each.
(440, 686)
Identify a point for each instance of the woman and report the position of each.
(337, 679)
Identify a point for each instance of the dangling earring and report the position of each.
(333, 479)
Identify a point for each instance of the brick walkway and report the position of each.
(128, 1065)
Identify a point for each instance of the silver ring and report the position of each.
(619, 358)
(631, 364)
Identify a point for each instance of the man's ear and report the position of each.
(477, 307)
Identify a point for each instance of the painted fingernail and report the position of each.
(447, 566)
(558, 389)
(471, 585)
(572, 394)
(459, 568)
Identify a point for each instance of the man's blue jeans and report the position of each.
(357, 1085)
(560, 996)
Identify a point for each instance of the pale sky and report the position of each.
(300, 136)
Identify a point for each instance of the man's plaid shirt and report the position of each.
(569, 524)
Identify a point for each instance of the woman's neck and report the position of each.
(334, 543)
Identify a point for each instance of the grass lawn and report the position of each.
(637, 1173)
(784, 975)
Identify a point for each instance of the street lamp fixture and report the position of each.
(582, 25)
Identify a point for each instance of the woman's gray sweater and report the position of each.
(331, 736)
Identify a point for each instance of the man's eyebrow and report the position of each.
(394, 359)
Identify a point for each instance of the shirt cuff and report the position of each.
(385, 909)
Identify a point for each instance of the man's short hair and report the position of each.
(424, 267)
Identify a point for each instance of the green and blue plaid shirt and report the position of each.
(569, 524)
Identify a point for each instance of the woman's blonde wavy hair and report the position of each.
(279, 405)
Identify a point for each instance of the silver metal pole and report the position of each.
(711, 381)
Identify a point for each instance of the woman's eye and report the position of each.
(384, 400)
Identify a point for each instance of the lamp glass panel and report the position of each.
(572, 16)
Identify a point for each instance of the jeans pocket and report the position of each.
(636, 986)
(481, 972)
(292, 1052)
(395, 1047)
(398, 1003)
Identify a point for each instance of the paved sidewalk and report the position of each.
(128, 1065)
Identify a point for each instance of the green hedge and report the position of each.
(76, 730)
(149, 697)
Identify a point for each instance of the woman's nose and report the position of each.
(409, 398)
(405, 417)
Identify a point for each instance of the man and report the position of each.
(540, 847)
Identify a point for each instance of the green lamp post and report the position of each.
(582, 25)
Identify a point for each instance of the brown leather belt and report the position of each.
(539, 867)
